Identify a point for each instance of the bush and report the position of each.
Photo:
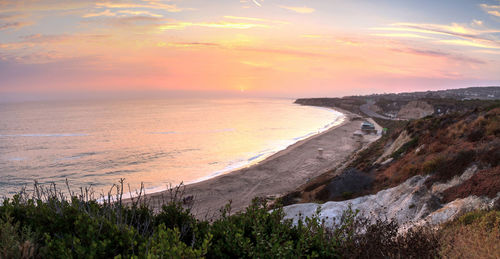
(79, 228)
(15, 242)
(257, 233)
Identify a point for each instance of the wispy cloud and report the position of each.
(23, 6)
(488, 45)
(290, 52)
(439, 54)
(257, 3)
(140, 13)
(312, 36)
(244, 48)
(11, 16)
(14, 25)
(298, 9)
(221, 25)
(149, 5)
(189, 44)
(254, 19)
(473, 35)
(257, 64)
(401, 35)
(494, 13)
(106, 12)
(491, 9)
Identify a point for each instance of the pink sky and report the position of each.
(289, 48)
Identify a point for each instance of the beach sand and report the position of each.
(278, 174)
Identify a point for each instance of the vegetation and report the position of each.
(474, 235)
(442, 147)
(48, 225)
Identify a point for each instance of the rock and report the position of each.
(387, 161)
(415, 110)
(409, 203)
(397, 144)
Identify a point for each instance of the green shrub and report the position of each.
(257, 233)
(167, 243)
(15, 242)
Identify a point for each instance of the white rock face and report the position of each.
(415, 110)
(410, 203)
(441, 187)
(397, 144)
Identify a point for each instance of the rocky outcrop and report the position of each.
(415, 110)
(409, 203)
(402, 139)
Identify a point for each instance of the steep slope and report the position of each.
(432, 169)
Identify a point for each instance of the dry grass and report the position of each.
(474, 235)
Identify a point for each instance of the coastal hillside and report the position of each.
(411, 105)
(431, 170)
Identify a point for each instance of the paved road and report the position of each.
(365, 108)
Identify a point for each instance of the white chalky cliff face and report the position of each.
(410, 203)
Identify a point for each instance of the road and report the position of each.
(365, 108)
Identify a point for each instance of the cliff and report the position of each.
(428, 170)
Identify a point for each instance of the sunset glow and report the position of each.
(275, 48)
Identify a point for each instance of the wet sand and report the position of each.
(280, 173)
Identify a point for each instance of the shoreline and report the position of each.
(275, 175)
(261, 157)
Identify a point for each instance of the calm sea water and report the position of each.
(157, 142)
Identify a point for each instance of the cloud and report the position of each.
(14, 25)
(140, 22)
(257, 64)
(190, 44)
(222, 25)
(11, 16)
(312, 36)
(491, 9)
(23, 6)
(107, 13)
(488, 45)
(149, 5)
(290, 52)
(298, 9)
(437, 53)
(465, 35)
(257, 3)
(477, 22)
(401, 35)
(254, 19)
(140, 13)
(494, 13)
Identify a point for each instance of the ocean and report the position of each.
(157, 142)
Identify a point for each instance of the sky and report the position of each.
(275, 48)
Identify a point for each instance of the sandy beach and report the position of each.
(278, 174)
